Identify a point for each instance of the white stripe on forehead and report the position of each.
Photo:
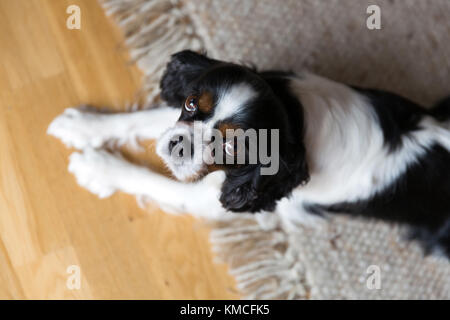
(231, 101)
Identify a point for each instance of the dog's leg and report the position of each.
(293, 213)
(81, 128)
(103, 173)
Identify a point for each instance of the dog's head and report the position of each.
(237, 120)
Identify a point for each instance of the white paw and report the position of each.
(78, 128)
(305, 220)
(294, 216)
(97, 171)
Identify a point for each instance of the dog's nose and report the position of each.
(174, 142)
(178, 144)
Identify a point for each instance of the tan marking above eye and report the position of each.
(224, 126)
(205, 102)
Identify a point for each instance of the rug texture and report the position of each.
(410, 55)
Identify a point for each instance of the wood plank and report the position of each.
(47, 222)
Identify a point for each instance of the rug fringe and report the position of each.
(256, 250)
(260, 259)
(153, 29)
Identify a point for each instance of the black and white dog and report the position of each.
(341, 149)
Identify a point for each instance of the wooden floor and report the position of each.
(47, 222)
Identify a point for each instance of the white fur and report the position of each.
(103, 173)
(231, 101)
(344, 146)
(186, 168)
(81, 128)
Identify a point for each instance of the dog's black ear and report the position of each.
(247, 190)
(183, 68)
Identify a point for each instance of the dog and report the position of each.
(340, 149)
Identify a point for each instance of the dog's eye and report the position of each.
(232, 148)
(191, 104)
(229, 148)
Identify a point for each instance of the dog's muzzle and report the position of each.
(181, 153)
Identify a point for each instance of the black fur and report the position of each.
(245, 189)
(397, 116)
(441, 111)
(183, 68)
(419, 198)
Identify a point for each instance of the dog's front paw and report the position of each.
(294, 215)
(78, 128)
(96, 170)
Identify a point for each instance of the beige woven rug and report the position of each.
(410, 55)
